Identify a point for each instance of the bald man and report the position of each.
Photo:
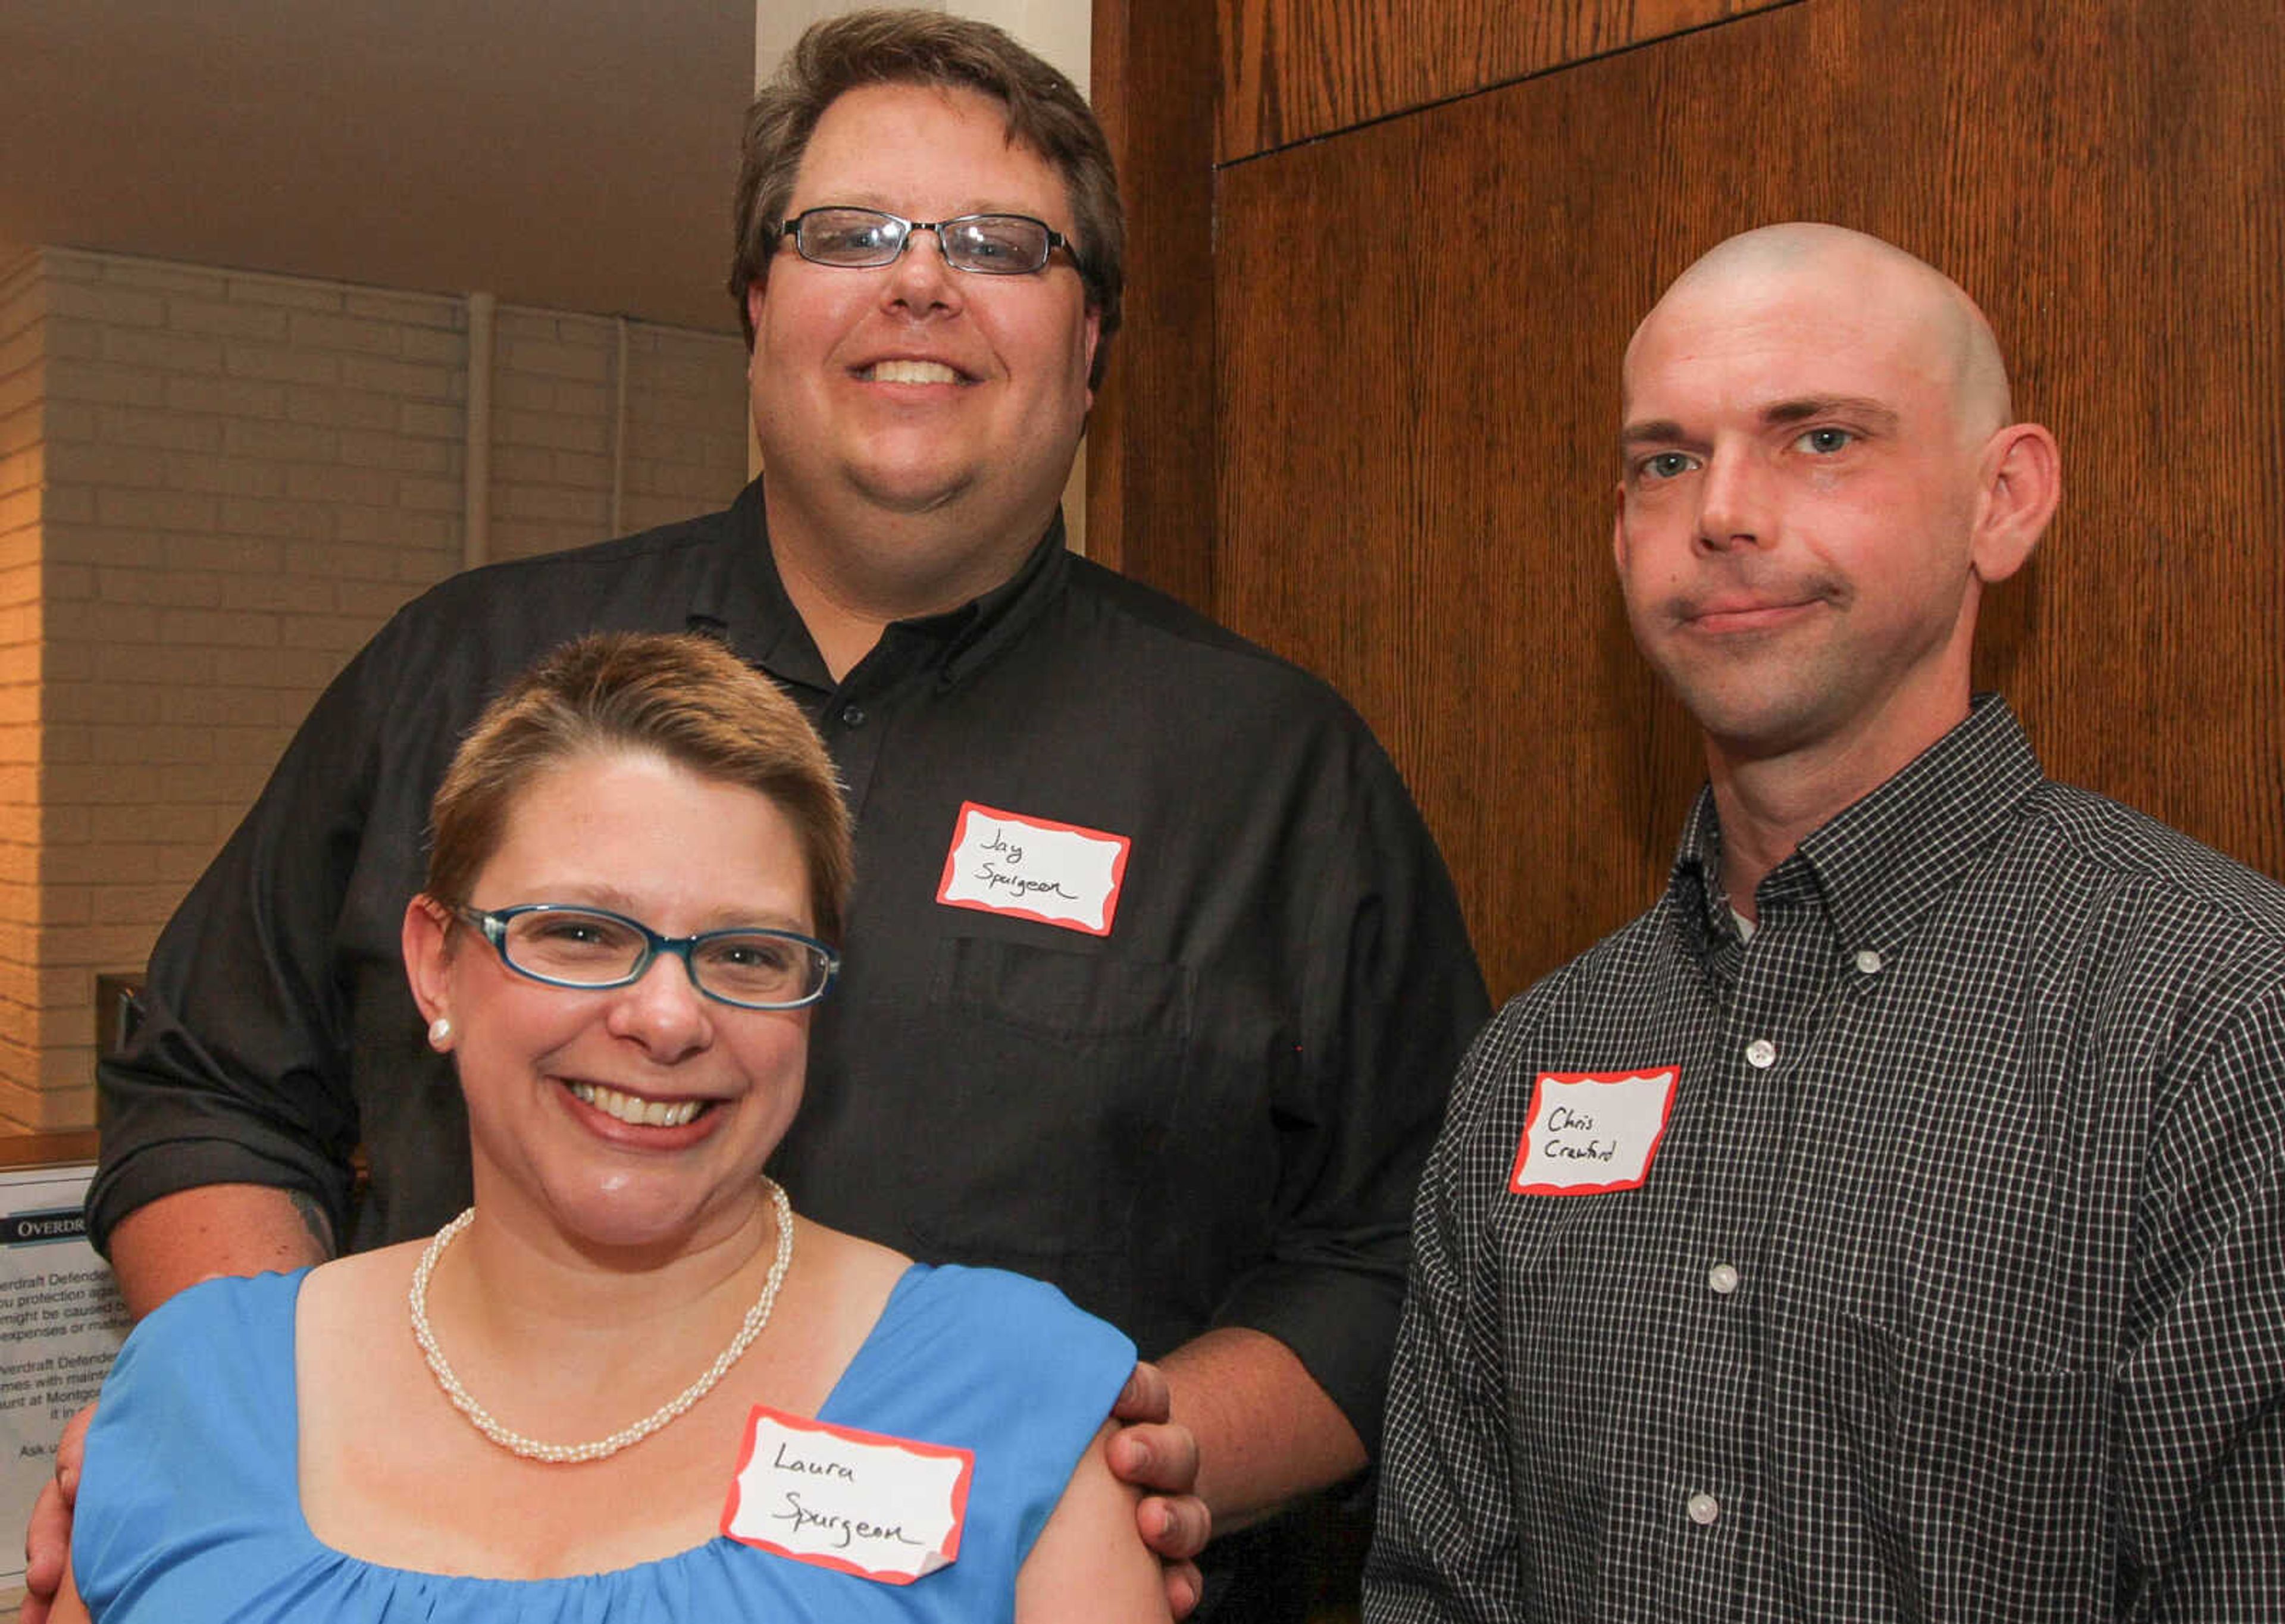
(1886, 1224)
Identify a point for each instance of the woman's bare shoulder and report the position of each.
(855, 1269)
(354, 1289)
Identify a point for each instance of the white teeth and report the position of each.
(635, 1109)
(912, 372)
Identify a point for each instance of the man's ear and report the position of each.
(427, 955)
(754, 307)
(1619, 530)
(2020, 481)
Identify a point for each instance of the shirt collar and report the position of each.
(1880, 864)
(763, 625)
(970, 634)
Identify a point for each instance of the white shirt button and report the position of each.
(1761, 1054)
(1703, 1509)
(1868, 963)
(1722, 1280)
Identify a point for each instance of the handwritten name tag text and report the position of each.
(882, 1508)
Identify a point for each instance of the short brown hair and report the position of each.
(683, 697)
(1045, 113)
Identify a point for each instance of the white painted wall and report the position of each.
(1060, 30)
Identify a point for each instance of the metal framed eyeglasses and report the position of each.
(752, 967)
(857, 238)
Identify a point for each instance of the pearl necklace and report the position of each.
(603, 1448)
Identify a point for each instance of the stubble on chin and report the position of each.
(1751, 693)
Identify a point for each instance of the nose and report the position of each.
(664, 1012)
(919, 280)
(1732, 510)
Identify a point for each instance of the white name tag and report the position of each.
(882, 1508)
(1033, 868)
(1592, 1132)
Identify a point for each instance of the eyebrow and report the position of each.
(877, 202)
(1659, 431)
(612, 899)
(1874, 413)
(1665, 431)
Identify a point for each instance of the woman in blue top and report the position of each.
(629, 1385)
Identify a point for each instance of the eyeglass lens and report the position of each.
(995, 244)
(597, 950)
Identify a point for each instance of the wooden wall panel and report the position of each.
(1420, 324)
(1150, 503)
(1296, 69)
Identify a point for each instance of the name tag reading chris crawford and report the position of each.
(886, 1509)
(1033, 868)
(1589, 1133)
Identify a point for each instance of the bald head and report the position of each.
(1852, 274)
(1819, 482)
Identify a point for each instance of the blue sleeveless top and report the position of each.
(190, 1502)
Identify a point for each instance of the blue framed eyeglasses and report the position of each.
(562, 945)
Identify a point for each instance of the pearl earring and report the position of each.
(440, 1033)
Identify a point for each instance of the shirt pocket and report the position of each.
(1062, 1074)
(1982, 1483)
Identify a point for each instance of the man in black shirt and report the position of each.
(1890, 1224)
(1154, 979)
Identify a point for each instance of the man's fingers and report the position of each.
(1184, 1588)
(46, 1541)
(1177, 1526)
(71, 1450)
(1156, 1459)
(1176, 1529)
(1150, 1453)
(1145, 1397)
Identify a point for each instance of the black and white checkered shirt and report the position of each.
(1955, 1287)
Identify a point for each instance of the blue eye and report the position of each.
(1666, 465)
(1825, 442)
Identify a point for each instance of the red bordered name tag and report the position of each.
(882, 1508)
(1058, 873)
(1589, 1133)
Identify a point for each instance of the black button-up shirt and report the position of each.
(1955, 1287)
(1214, 1114)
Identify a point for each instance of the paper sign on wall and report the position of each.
(61, 1321)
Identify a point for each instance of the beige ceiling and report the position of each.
(578, 153)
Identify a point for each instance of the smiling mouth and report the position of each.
(908, 371)
(633, 1108)
(1745, 616)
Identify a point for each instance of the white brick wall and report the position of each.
(552, 402)
(214, 487)
(555, 391)
(23, 465)
(683, 390)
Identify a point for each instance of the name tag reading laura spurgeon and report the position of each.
(1589, 1133)
(885, 1509)
(1033, 868)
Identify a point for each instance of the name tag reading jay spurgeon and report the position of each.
(1057, 874)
